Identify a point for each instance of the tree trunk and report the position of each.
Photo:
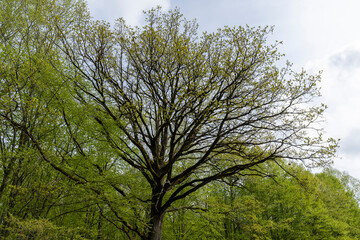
(156, 226)
(156, 212)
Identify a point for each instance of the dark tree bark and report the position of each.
(156, 224)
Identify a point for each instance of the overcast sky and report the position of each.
(316, 34)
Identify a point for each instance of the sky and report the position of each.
(316, 35)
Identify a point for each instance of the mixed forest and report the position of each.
(111, 131)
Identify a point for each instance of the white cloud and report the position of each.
(328, 24)
(341, 92)
(130, 10)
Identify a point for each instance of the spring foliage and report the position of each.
(121, 127)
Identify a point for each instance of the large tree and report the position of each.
(185, 110)
(147, 116)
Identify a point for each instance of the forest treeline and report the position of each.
(309, 206)
(120, 132)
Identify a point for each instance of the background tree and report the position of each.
(308, 206)
(23, 44)
(30, 88)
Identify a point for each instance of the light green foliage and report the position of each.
(32, 127)
(308, 206)
(42, 229)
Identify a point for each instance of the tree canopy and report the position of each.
(135, 120)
